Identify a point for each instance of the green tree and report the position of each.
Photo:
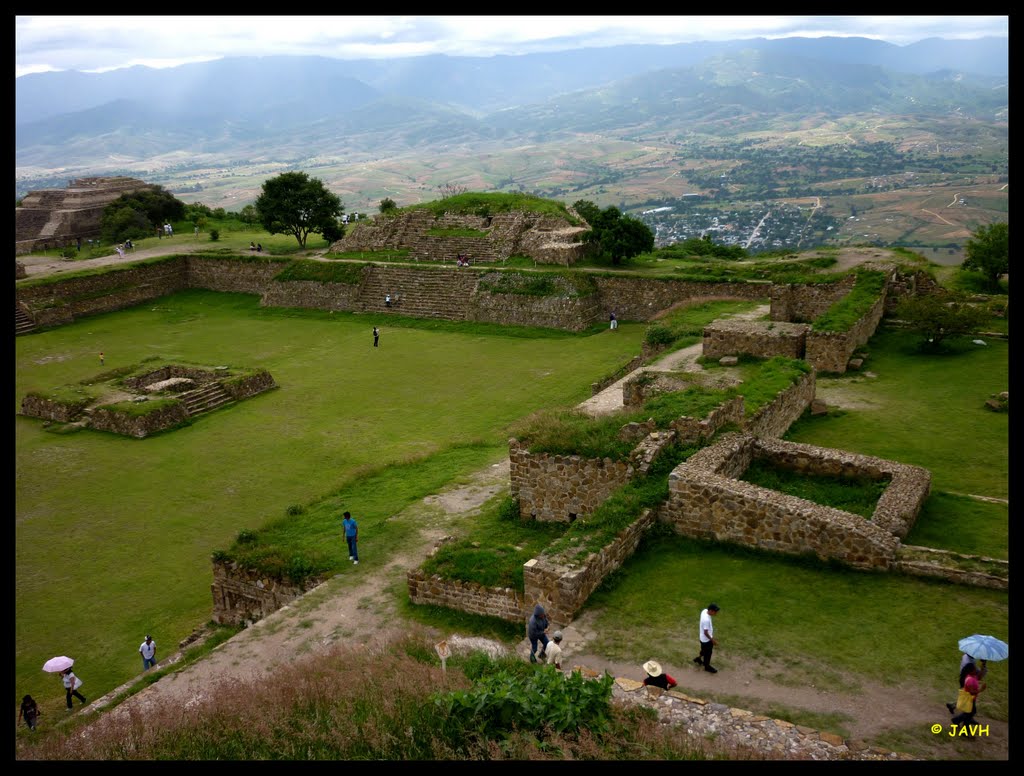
(118, 224)
(620, 237)
(587, 210)
(387, 204)
(937, 317)
(293, 203)
(157, 206)
(248, 215)
(988, 251)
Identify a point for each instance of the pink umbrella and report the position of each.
(57, 664)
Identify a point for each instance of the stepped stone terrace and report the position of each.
(145, 403)
(51, 218)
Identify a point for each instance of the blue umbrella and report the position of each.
(985, 647)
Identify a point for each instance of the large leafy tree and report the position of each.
(988, 251)
(621, 237)
(293, 203)
(135, 215)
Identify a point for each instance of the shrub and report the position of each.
(214, 235)
(504, 701)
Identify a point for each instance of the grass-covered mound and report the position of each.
(489, 204)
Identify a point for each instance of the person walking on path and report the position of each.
(968, 707)
(536, 630)
(148, 651)
(707, 638)
(71, 685)
(613, 321)
(554, 650)
(352, 537)
(966, 661)
(656, 677)
(29, 711)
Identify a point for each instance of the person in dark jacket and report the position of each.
(535, 630)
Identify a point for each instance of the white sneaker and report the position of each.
(350, 557)
(355, 563)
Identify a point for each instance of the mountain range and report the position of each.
(288, 108)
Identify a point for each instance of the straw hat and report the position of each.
(653, 668)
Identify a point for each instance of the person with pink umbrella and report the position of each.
(71, 685)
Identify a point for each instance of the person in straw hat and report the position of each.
(656, 677)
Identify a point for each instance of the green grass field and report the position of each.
(114, 535)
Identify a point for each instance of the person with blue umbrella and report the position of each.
(977, 651)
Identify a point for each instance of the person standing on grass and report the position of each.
(707, 638)
(148, 651)
(613, 321)
(352, 537)
(71, 685)
(376, 335)
(101, 358)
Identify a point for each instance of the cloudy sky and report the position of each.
(98, 43)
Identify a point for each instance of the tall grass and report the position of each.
(393, 702)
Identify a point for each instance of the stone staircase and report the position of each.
(23, 323)
(419, 292)
(205, 398)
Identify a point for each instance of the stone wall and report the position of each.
(19, 270)
(119, 288)
(244, 386)
(502, 602)
(706, 501)
(775, 417)
(762, 339)
(562, 487)
(429, 292)
(103, 418)
(830, 351)
(241, 595)
(803, 302)
(39, 407)
(899, 505)
(555, 312)
(630, 366)
(311, 294)
(562, 585)
(692, 430)
(233, 275)
(641, 299)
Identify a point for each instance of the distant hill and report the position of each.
(274, 107)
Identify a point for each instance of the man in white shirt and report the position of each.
(148, 651)
(707, 638)
(554, 650)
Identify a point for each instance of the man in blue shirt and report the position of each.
(351, 536)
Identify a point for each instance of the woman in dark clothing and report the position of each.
(29, 711)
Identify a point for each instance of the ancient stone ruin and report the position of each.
(545, 239)
(57, 218)
(154, 401)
